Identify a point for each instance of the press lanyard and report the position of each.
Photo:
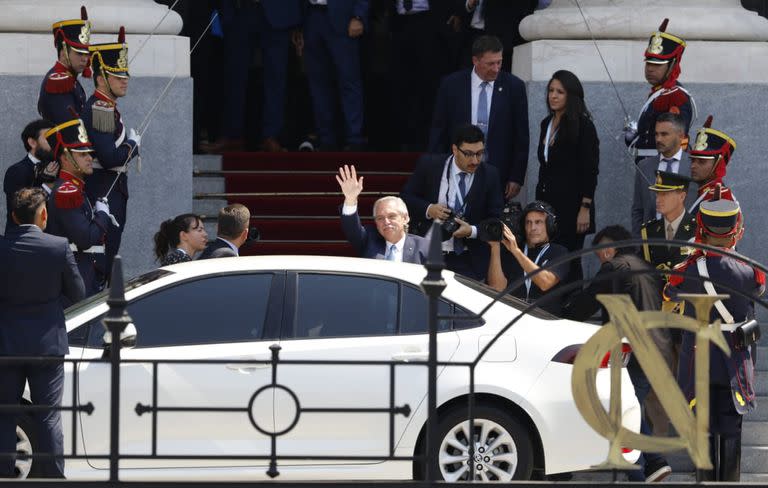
(546, 139)
(453, 185)
(536, 262)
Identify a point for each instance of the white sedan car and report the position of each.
(324, 308)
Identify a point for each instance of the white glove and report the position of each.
(135, 137)
(630, 132)
(103, 206)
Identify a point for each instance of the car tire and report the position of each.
(26, 443)
(503, 452)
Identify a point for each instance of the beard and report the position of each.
(43, 155)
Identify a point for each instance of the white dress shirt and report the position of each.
(450, 191)
(399, 245)
(675, 165)
(418, 6)
(478, 21)
(476, 81)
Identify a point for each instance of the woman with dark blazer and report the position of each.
(569, 154)
(180, 239)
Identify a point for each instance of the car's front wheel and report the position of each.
(25, 441)
(503, 450)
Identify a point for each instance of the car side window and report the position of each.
(414, 316)
(215, 310)
(330, 305)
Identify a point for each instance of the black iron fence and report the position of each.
(118, 319)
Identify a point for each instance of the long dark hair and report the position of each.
(167, 238)
(575, 108)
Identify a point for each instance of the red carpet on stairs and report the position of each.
(294, 198)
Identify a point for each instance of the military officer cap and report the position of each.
(111, 58)
(666, 181)
(663, 46)
(75, 33)
(711, 143)
(719, 218)
(70, 135)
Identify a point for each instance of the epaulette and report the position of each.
(59, 82)
(103, 116)
(68, 196)
(646, 224)
(673, 98)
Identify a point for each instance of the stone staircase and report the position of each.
(288, 234)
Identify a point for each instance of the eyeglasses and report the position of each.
(469, 154)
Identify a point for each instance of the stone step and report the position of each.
(754, 433)
(760, 414)
(207, 162)
(208, 207)
(208, 184)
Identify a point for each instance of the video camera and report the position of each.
(491, 230)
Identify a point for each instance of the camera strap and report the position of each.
(528, 281)
(701, 265)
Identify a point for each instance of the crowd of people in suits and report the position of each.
(464, 188)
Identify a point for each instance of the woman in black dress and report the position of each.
(179, 239)
(569, 154)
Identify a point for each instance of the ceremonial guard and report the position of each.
(674, 222)
(711, 152)
(70, 213)
(732, 388)
(113, 146)
(662, 68)
(60, 91)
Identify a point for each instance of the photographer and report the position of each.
(29, 171)
(456, 190)
(538, 224)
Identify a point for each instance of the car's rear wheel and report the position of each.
(25, 442)
(503, 450)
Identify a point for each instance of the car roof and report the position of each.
(413, 273)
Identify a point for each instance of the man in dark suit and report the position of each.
(389, 239)
(231, 232)
(623, 272)
(459, 186)
(243, 22)
(493, 100)
(27, 172)
(331, 42)
(38, 269)
(499, 18)
(670, 132)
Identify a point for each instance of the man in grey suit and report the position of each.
(39, 269)
(670, 134)
(389, 239)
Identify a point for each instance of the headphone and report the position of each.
(541, 206)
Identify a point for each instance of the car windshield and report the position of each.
(506, 299)
(101, 296)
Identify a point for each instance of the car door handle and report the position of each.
(411, 356)
(248, 368)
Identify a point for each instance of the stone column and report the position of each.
(720, 30)
(164, 187)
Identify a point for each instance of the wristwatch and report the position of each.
(586, 204)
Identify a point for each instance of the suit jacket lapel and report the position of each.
(466, 105)
(497, 100)
(478, 183)
(409, 250)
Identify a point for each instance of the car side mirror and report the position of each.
(127, 337)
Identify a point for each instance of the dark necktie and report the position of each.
(667, 164)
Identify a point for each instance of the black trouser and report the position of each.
(46, 386)
(725, 436)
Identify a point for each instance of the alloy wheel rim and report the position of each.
(494, 457)
(23, 450)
